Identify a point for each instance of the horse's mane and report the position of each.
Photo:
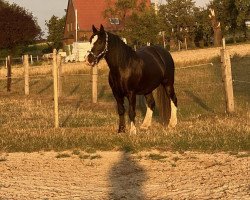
(121, 53)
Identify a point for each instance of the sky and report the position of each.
(44, 9)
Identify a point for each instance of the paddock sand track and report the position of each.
(117, 175)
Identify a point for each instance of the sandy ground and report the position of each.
(117, 175)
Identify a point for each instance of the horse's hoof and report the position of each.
(144, 127)
(171, 126)
(132, 132)
(121, 130)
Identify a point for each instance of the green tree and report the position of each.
(142, 28)
(18, 26)
(243, 7)
(232, 14)
(123, 9)
(138, 24)
(55, 31)
(178, 18)
(202, 28)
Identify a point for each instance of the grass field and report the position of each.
(26, 123)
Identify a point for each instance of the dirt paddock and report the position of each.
(118, 175)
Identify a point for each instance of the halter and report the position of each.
(103, 53)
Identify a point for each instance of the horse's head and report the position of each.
(98, 46)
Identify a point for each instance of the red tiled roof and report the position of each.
(91, 12)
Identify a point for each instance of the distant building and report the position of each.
(82, 14)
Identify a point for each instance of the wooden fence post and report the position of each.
(94, 83)
(227, 78)
(186, 43)
(8, 74)
(26, 74)
(6, 62)
(31, 59)
(55, 75)
(59, 64)
(179, 45)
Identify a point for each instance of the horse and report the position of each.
(134, 73)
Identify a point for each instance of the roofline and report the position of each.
(65, 25)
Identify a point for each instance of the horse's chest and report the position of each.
(126, 81)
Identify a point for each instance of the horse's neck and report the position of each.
(118, 54)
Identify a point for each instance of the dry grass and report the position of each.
(46, 69)
(26, 123)
(181, 58)
(190, 57)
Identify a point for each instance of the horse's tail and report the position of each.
(166, 107)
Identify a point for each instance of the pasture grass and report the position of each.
(156, 156)
(26, 123)
(3, 159)
(62, 155)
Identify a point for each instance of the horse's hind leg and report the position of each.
(173, 104)
(132, 103)
(150, 107)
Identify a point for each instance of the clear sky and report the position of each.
(44, 9)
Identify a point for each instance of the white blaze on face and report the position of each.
(173, 118)
(92, 43)
(95, 38)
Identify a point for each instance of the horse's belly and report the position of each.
(146, 86)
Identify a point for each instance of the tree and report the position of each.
(142, 28)
(18, 26)
(55, 31)
(232, 14)
(243, 7)
(216, 25)
(178, 19)
(203, 30)
(137, 23)
(123, 9)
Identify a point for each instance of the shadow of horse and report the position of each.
(126, 179)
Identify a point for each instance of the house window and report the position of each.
(71, 26)
(68, 27)
(114, 21)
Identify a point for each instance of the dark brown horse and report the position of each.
(135, 73)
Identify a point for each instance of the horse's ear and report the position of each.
(94, 29)
(102, 29)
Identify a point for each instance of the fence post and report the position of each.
(59, 64)
(55, 75)
(227, 78)
(31, 59)
(6, 62)
(179, 45)
(26, 74)
(186, 43)
(8, 74)
(94, 83)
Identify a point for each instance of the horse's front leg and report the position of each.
(121, 112)
(132, 103)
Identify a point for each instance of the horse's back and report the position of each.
(157, 62)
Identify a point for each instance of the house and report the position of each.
(82, 14)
